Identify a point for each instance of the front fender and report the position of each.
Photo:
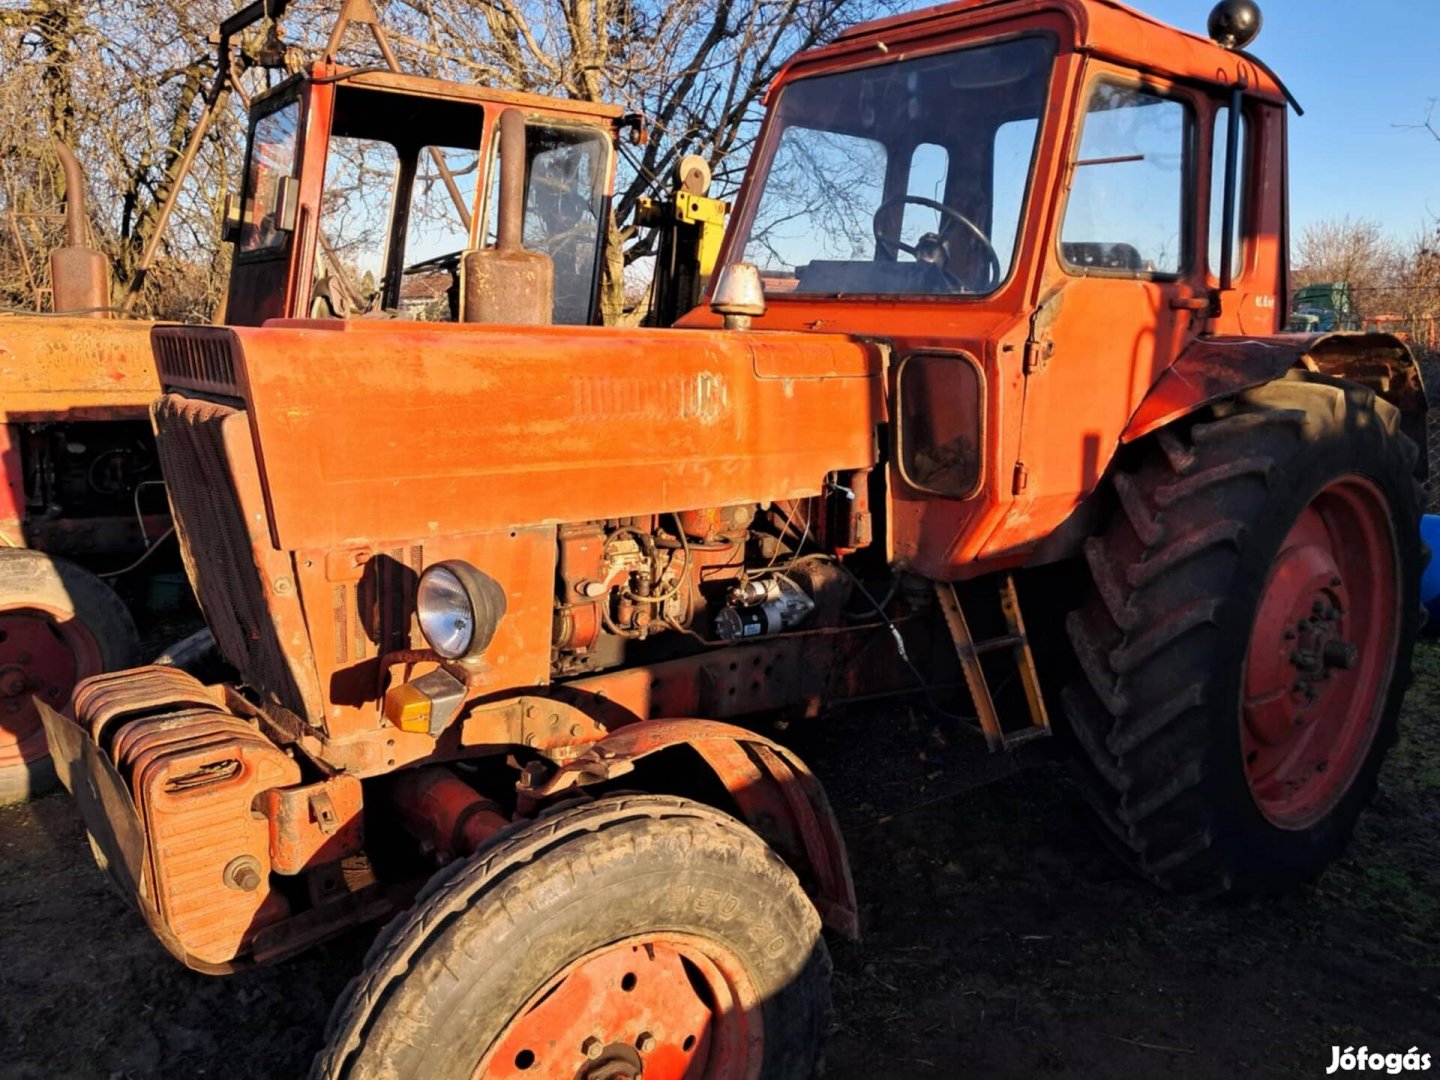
(1211, 369)
(773, 790)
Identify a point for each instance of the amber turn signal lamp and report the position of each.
(408, 708)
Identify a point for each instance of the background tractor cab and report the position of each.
(363, 189)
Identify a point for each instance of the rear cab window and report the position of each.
(566, 171)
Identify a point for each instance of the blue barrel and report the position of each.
(1430, 583)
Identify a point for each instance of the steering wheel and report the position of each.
(894, 245)
(449, 261)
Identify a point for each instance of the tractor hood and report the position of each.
(373, 430)
(54, 368)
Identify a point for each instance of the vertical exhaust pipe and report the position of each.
(79, 275)
(509, 230)
(506, 283)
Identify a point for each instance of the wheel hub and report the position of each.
(40, 656)
(1320, 654)
(659, 1009)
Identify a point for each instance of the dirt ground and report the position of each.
(1002, 939)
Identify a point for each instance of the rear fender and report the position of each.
(1212, 369)
(772, 789)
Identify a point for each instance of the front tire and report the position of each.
(1246, 643)
(632, 931)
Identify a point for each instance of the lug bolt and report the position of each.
(646, 1043)
(1340, 654)
(592, 1047)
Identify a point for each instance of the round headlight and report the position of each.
(446, 617)
(458, 609)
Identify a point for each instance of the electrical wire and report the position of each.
(64, 314)
(678, 582)
(145, 555)
(371, 69)
(966, 722)
(785, 529)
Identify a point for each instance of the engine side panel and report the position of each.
(368, 431)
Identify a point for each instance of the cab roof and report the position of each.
(1102, 28)
(422, 85)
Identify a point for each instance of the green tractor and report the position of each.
(1323, 307)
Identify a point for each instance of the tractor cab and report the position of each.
(363, 189)
(995, 190)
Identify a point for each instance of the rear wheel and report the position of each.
(633, 936)
(1247, 640)
(58, 624)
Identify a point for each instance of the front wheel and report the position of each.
(639, 935)
(1247, 640)
(59, 624)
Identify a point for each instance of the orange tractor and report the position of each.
(80, 479)
(990, 387)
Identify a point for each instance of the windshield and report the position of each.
(905, 178)
(565, 176)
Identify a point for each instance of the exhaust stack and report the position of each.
(506, 283)
(79, 275)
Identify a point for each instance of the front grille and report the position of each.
(195, 358)
(216, 544)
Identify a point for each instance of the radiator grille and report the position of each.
(216, 543)
(195, 358)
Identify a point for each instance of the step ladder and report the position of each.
(970, 651)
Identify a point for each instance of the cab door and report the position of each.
(1124, 292)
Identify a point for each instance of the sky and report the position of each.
(1362, 70)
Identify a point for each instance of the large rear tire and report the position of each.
(58, 625)
(638, 931)
(1246, 644)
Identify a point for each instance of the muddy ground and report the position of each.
(1002, 940)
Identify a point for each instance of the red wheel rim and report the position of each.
(44, 651)
(665, 1006)
(1321, 654)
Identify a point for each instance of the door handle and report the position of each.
(1190, 303)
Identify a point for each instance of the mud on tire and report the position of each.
(1162, 641)
(445, 981)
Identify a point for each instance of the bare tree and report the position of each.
(1349, 250)
(122, 81)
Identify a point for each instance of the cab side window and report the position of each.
(1126, 210)
(272, 160)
